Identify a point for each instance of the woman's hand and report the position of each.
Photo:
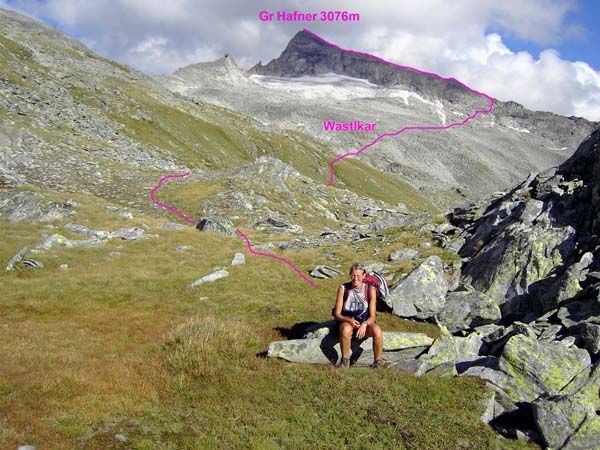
(355, 323)
(362, 330)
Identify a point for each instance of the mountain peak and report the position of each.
(306, 54)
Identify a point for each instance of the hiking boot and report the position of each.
(377, 364)
(343, 364)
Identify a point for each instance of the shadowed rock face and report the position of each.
(532, 249)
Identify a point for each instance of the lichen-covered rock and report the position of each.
(586, 437)
(590, 333)
(422, 293)
(82, 229)
(217, 224)
(238, 259)
(537, 367)
(517, 258)
(15, 260)
(54, 241)
(452, 349)
(567, 285)
(468, 309)
(558, 417)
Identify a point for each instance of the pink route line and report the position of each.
(238, 231)
(408, 128)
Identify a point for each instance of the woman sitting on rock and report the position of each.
(355, 313)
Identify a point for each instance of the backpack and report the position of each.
(371, 279)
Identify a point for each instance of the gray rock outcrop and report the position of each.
(421, 294)
(217, 224)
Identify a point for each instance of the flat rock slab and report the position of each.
(326, 350)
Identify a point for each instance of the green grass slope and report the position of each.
(120, 344)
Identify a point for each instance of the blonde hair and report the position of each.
(357, 266)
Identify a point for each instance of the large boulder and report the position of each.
(217, 224)
(570, 419)
(536, 368)
(468, 309)
(449, 351)
(422, 294)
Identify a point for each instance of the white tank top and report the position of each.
(356, 301)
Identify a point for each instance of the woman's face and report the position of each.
(357, 277)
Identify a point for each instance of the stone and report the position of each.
(489, 406)
(63, 266)
(183, 248)
(219, 274)
(373, 266)
(516, 249)
(537, 367)
(421, 294)
(15, 260)
(590, 333)
(325, 272)
(404, 254)
(425, 245)
(453, 349)
(238, 259)
(567, 285)
(558, 417)
(468, 309)
(126, 215)
(217, 224)
(586, 437)
(120, 438)
(26, 447)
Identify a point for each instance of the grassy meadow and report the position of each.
(120, 344)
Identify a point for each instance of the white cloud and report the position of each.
(462, 38)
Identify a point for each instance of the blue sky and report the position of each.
(583, 46)
(540, 53)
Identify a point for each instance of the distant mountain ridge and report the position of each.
(308, 55)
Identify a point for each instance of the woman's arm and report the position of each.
(337, 309)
